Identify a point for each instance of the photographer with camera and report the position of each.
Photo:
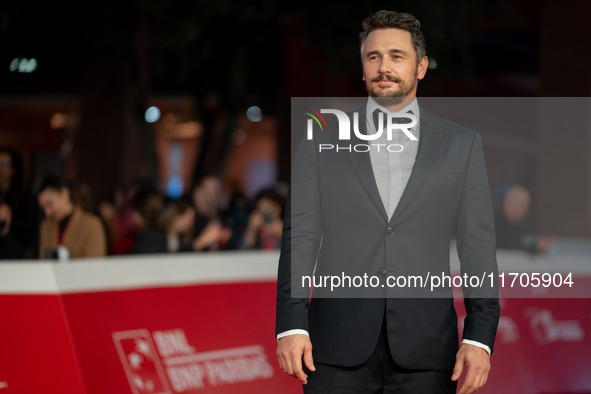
(265, 222)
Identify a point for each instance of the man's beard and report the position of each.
(387, 98)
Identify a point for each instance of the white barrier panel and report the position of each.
(130, 272)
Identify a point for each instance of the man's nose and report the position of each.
(386, 66)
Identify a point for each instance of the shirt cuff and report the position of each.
(292, 332)
(470, 342)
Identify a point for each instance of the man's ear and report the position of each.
(422, 67)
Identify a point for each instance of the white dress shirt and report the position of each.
(392, 171)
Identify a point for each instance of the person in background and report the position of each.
(117, 215)
(513, 231)
(82, 196)
(236, 214)
(19, 213)
(210, 232)
(146, 206)
(9, 247)
(178, 218)
(265, 222)
(67, 231)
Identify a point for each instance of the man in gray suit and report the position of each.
(388, 214)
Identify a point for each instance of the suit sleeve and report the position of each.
(302, 231)
(477, 250)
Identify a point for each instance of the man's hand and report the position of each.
(477, 361)
(290, 350)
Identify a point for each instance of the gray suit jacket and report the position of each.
(336, 224)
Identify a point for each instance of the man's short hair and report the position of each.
(395, 20)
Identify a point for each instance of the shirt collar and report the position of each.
(372, 105)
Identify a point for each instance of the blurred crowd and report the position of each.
(60, 220)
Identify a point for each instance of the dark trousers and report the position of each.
(378, 375)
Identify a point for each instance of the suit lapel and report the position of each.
(362, 166)
(430, 143)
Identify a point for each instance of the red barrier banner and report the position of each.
(209, 338)
(122, 327)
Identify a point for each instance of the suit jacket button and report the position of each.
(389, 231)
(382, 273)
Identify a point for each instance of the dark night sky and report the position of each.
(245, 51)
